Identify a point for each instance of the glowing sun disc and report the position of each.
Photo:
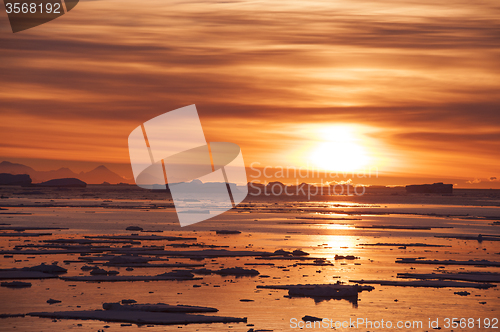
(340, 152)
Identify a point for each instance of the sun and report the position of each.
(340, 150)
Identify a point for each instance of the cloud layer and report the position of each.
(423, 75)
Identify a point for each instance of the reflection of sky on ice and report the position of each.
(265, 226)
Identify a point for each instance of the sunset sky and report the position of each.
(410, 88)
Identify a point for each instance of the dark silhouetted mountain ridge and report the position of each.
(98, 175)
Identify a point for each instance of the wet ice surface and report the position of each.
(323, 229)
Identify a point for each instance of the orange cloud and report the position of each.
(424, 75)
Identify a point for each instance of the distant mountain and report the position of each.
(96, 176)
(101, 174)
(12, 168)
(436, 188)
(56, 174)
(68, 182)
(15, 180)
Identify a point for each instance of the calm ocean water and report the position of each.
(322, 227)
